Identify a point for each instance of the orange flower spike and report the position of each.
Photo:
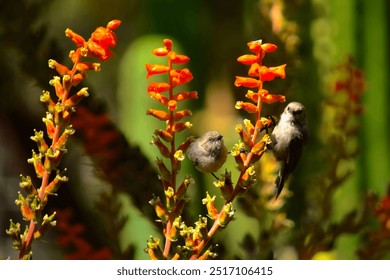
(248, 59)
(246, 82)
(154, 69)
(76, 38)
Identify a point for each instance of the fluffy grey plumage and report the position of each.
(208, 152)
(288, 138)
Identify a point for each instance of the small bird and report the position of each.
(208, 152)
(288, 138)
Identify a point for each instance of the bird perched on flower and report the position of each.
(208, 152)
(288, 138)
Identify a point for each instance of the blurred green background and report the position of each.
(313, 36)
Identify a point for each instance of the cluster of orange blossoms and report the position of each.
(164, 139)
(258, 74)
(58, 130)
(163, 92)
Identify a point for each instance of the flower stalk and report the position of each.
(58, 130)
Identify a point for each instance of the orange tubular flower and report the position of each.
(258, 74)
(154, 69)
(246, 82)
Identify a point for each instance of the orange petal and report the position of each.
(272, 98)
(255, 46)
(158, 87)
(113, 24)
(248, 59)
(249, 107)
(267, 47)
(159, 97)
(168, 44)
(181, 114)
(76, 38)
(178, 58)
(161, 115)
(161, 51)
(279, 71)
(185, 95)
(156, 69)
(246, 82)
